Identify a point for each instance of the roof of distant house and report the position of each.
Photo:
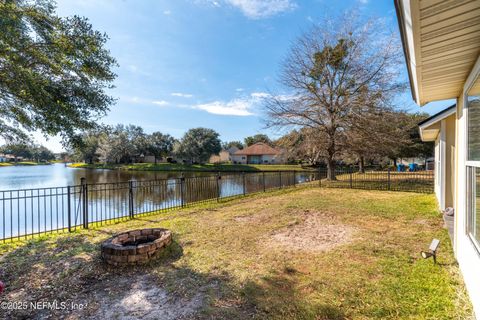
(257, 149)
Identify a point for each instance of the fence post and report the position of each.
(351, 177)
(130, 199)
(320, 177)
(83, 182)
(388, 181)
(263, 174)
(280, 177)
(182, 193)
(218, 186)
(244, 186)
(69, 210)
(294, 178)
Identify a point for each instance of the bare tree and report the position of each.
(304, 144)
(337, 73)
(376, 135)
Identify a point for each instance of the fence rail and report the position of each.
(29, 212)
(379, 179)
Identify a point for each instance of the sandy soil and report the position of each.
(144, 299)
(316, 232)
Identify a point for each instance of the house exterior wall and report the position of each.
(450, 124)
(263, 159)
(223, 157)
(437, 174)
(239, 159)
(467, 255)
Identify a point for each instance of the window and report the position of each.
(473, 163)
(473, 193)
(473, 124)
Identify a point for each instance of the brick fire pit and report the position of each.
(136, 246)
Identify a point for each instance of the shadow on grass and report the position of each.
(70, 269)
(278, 294)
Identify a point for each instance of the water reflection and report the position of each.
(112, 195)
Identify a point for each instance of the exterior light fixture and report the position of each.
(432, 250)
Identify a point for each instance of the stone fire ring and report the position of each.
(135, 247)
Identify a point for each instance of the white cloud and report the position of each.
(236, 107)
(137, 100)
(183, 95)
(255, 9)
(167, 12)
(239, 89)
(260, 95)
(160, 102)
(363, 1)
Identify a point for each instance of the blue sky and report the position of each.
(192, 63)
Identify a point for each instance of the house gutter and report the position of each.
(406, 51)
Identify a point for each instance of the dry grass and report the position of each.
(226, 264)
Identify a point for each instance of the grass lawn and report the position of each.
(23, 163)
(306, 253)
(190, 167)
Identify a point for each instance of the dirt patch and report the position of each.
(143, 298)
(316, 232)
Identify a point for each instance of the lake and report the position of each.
(57, 175)
(47, 198)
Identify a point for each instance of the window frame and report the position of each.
(470, 166)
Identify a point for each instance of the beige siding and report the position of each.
(450, 161)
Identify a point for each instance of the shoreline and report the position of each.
(23, 164)
(190, 168)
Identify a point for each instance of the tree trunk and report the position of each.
(361, 164)
(155, 157)
(331, 170)
(395, 162)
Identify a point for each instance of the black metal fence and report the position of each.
(379, 179)
(29, 212)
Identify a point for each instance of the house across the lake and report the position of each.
(224, 156)
(259, 153)
(441, 45)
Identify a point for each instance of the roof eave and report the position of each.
(406, 33)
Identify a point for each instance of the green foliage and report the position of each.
(231, 144)
(53, 71)
(159, 144)
(257, 138)
(122, 144)
(28, 151)
(416, 147)
(198, 144)
(413, 147)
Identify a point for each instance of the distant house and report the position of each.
(9, 158)
(224, 156)
(259, 153)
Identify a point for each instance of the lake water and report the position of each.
(36, 199)
(57, 175)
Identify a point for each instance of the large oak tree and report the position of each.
(337, 74)
(54, 71)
